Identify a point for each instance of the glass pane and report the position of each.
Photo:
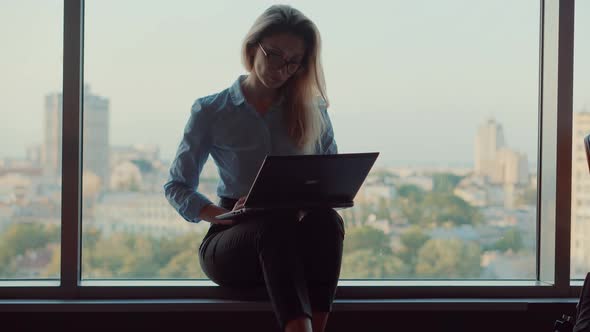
(446, 91)
(581, 128)
(30, 153)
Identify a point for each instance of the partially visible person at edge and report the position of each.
(278, 109)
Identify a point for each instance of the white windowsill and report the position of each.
(341, 283)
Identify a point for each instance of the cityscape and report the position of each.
(408, 222)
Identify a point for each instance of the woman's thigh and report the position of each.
(231, 257)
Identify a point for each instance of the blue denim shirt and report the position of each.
(238, 138)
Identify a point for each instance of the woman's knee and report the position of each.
(324, 219)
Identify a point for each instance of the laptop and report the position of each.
(305, 181)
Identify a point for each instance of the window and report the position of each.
(30, 153)
(447, 199)
(580, 229)
(452, 107)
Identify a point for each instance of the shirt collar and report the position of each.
(237, 96)
(235, 91)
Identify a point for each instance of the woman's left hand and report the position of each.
(239, 203)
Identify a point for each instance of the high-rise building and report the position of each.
(495, 161)
(504, 171)
(580, 231)
(51, 151)
(33, 154)
(489, 139)
(511, 168)
(95, 138)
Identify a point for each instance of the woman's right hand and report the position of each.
(210, 212)
(239, 204)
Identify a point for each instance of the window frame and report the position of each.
(553, 213)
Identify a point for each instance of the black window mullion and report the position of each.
(565, 77)
(72, 147)
(555, 158)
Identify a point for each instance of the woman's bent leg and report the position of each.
(261, 251)
(322, 232)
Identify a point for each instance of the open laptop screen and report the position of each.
(297, 180)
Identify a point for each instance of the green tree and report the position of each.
(441, 208)
(140, 262)
(107, 258)
(349, 216)
(366, 237)
(449, 258)
(183, 265)
(90, 236)
(412, 240)
(436, 207)
(445, 182)
(409, 203)
(511, 240)
(363, 213)
(168, 247)
(134, 185)
(18, 238)
(53, 269)
(124, 255)
(383, 175)
(144, 165)
(383, 209)
(365, 263)
(411, 192)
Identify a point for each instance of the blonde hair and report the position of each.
(304, 120)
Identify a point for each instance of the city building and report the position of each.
(51, 151)
(134, 152)
(95, 140)
(473, 190)
(511, 168)
(140, 213)
(489, 139)
(125, 176)
(505, 171)
(580, 196)
(33, 155)
(497, 162)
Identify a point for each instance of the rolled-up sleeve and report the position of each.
(193, 151)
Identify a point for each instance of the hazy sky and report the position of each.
(412, 79)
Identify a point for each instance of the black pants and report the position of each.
(297, 260)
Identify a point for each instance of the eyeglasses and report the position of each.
(276, 61)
